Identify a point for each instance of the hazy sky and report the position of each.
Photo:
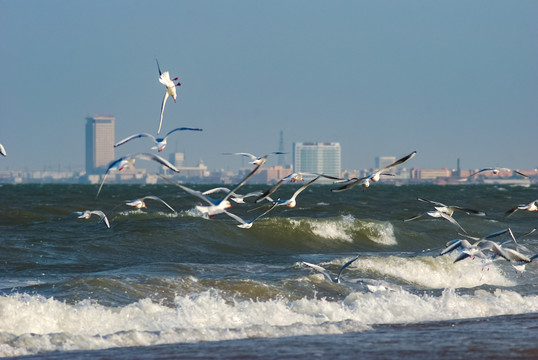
(450, 79)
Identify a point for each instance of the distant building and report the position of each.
(317, 157)
(99, 143)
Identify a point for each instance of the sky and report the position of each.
(449, 79)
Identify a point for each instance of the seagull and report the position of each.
(291, 202)
(3, 150)
(237, 198)
(217, 206)
(88, 213)
(327, 274)
(517, 259)
(140, 202)
(365, 181)
(292, 178)
(495, 171)
(247, 224)
(532, 206)
(164, 78)
(471, 250)
(445, 212)
(255, 160)
(160, 143)
(129, 161)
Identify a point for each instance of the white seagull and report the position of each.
(216, 206)
(237, 198)
(129, 161)
(292, 178)
(517, 259)
(160, 143)
(532, 206)
(374, 177)
(445, 212)
(88, 213)
(292, 202)
(3, 150)
(164, 78)
(475, 249)
(247, 224)
(327, 274)
(495, 171)
(255, 160)
(140, 202)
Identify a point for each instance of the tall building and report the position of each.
(317, 157)
(99, 143)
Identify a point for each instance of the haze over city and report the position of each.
(450, 80)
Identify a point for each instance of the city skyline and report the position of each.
(451, 80)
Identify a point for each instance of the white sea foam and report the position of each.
(32, 324)
(435, 273)
(379, 232)
(347, 228)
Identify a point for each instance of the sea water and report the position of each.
(177, 284)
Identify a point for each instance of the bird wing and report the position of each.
(157, 158)
(303, 187)
(511, 211)
(3, 150)
(217, 189)
(343, 267)
(451, 219)
(520, 173)
(431, 202)
(249, 155)
(102, 217)
(454, 244)
(516, 256)
(162, 110)
(158, 67)
(182, 129)
(414, 217)
(322, 270)
(468, 211)
(271, 190)
(352, 182)
(196, 193)
(135, 136)
(152, 197)
(243, 224)
(398, 162)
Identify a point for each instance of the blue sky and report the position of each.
(449, 79)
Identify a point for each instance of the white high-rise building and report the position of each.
(317, 157)
(99, 143)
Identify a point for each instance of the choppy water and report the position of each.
(159, 284)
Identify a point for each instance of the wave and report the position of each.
(33, 323)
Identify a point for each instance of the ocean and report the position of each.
(159, 284)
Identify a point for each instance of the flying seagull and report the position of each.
(160, 143)
(141, 202)
(216, 206)
(129, 161)
(445, 212)
(292, 178)
(164, 78)
(532, 206)
(495, 171)
(327, 274)
(86, 214)
(254, 160)
(374, 177)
